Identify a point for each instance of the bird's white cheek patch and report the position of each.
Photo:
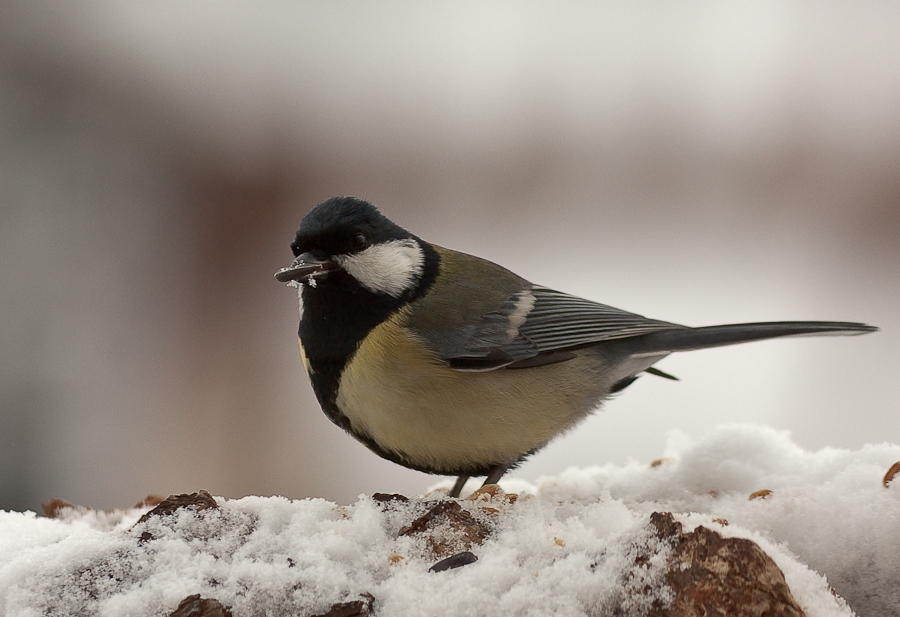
(390, 268)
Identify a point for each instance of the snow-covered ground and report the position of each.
(560, 549)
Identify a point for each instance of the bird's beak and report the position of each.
(306, 267)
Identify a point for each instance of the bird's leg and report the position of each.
(496, 473)
(458, 487)
(493, 477)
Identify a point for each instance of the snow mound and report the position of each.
(579, 543)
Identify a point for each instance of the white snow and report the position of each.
(563, 550)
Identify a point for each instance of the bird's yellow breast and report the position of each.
(396, 391)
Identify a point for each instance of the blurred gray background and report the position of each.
(698, 162)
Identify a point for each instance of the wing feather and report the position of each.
(533, 326)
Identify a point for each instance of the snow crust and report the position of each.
(561, 551)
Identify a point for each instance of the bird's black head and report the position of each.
(345, 225)
(354, 268)
(347, 242)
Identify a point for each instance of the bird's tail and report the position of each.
(688, 339)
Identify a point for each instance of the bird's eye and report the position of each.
(359, 242)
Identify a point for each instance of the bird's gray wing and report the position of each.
(534, 326)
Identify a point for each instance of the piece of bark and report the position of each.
(195, 606)
(713, 575)
(448, 529)
(890, 475)
(54, 507)
(196, 501)
(355, 608)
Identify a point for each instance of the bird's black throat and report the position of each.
(338, 313)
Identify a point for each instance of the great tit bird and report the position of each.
(450, 364)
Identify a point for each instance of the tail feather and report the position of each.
(688, 339)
